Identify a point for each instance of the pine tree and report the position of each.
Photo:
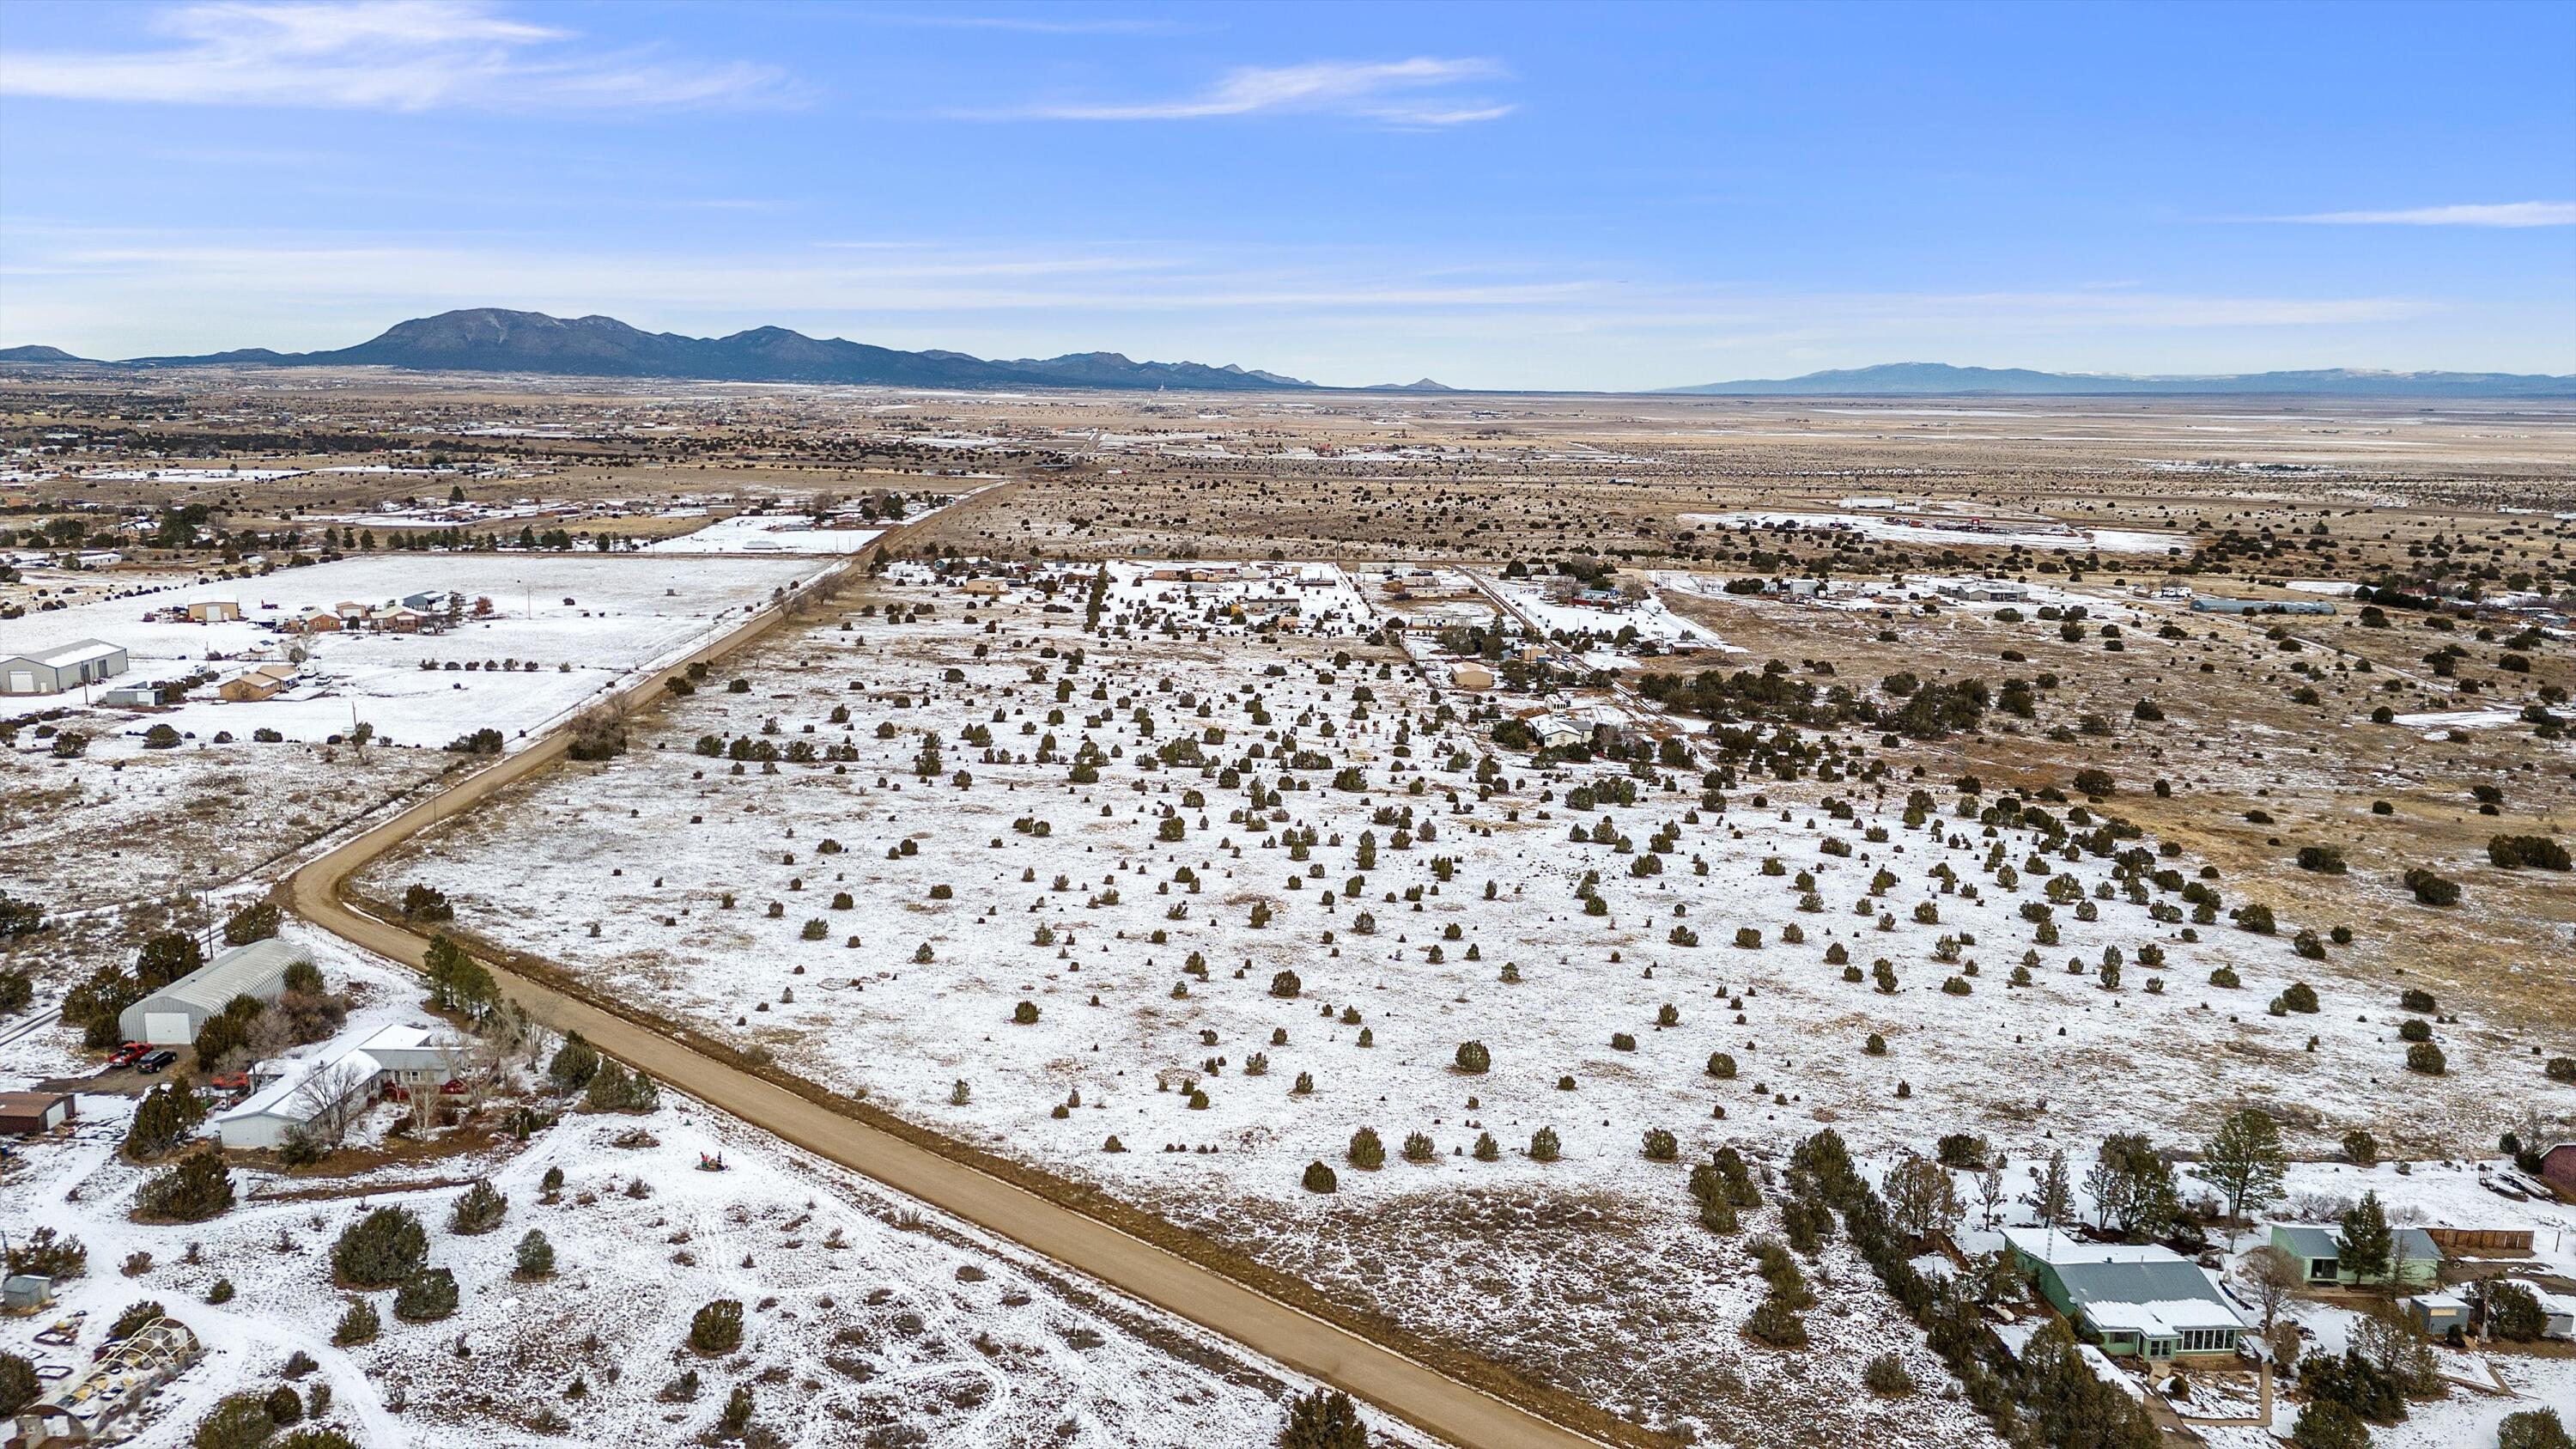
(2244, 1160)
(2056, 1192)
(480, 1209)
(165, 1118)
(1324, 1419)
(200, 1187)
(2365, 1248)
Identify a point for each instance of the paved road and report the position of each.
(1409, 1390)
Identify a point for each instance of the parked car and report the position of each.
(230, 1081)
(156, 1061)
(127, 1055)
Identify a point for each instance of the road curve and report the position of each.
(1401, 1386)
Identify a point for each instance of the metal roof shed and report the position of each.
(171, 1015)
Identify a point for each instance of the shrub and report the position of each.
(480, 1209)
(358, 1325)
(2561, 1069)
(384, 1248)
(427, 1296)
(1473, 1057)
(2256, 918)
(574, 1063)
(1544, 1145)
(322, 1438)
(717, 1327)
(1025, 1014)
(164, 1119)
(2514, 1312)
(2432, 889)
(614, 1089)
(1661, 1145)
(1318, 1178)
(2323, 859)
(1366, 1152)
(200, 1187)
(254, 922)
(240, 1421)
(2537, 852)
(1886, 1377)
(18, 1383)
(2326, 1424)
(2299, 996)
(2426, 1058)
(535, 1257)
(1324, 1419)
(1418, 1147)
(1776, 1324)
(285, 1406)
(1721, 1066)
(2533, 1429)
(1286, 984)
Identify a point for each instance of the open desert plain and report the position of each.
(1619, 920)
(773, 726)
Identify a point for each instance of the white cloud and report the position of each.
(396, 55)
(1394, 92)
(2509, 213)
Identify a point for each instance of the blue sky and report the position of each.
(1590, 196)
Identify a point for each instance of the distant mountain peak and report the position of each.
(496, 339)
(1934, 379)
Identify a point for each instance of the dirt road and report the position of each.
(1407, 1389)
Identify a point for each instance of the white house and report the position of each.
(340, 1078)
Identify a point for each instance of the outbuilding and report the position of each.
(172, 1015)
(213, 611)
(23, 1114)
(2436, 1314)
(69, 666)
(2416, 1260)
(2558, 1169)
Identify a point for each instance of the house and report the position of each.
(1558, 733)
(293, 1092)
(171, 1015)
(51, 671)
(400, 620)
(24, 1114)
(2558, 1169)
(986, 587)
(316, 621)
(213, 611)
(2141, 1302)
(83, 1410)
(425, 601)
(2436, 1314)
(260, 681)
(2317, 1251)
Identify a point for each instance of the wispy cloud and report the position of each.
(2508, 213)
(395, 55)
(1026, 24)
(1417, 92)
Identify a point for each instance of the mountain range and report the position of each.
(489, 339)
(1935, 379)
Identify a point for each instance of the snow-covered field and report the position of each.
(864, 1313)
(1147, 986)
(571, 626)
(1881, 526)
(767, 533)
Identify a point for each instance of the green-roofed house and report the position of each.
(2135, 1301)
(2318, 1251)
